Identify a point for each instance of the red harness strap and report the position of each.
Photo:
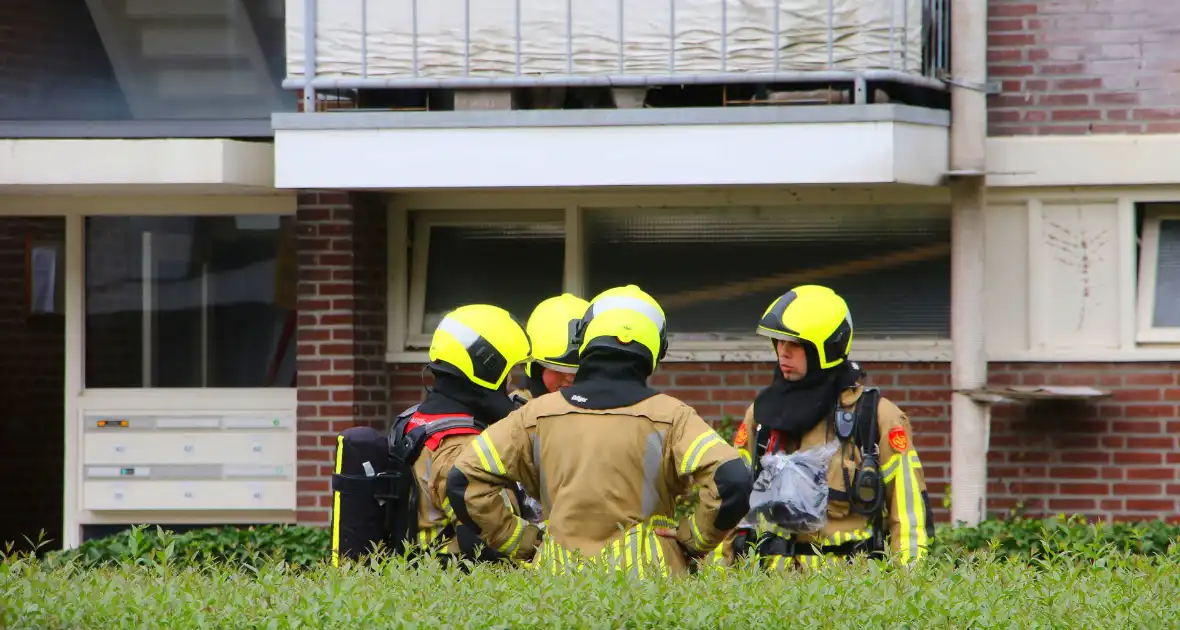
(420, 419)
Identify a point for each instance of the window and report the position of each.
(182, 301)
(512, 260)
(123, 60)
(1159, 274)
(715, 271)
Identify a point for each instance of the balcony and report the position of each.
(356, 46)
(418, 84)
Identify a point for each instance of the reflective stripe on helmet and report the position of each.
(634, 304)
(460, 331)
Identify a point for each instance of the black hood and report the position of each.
(796, 407)
(452, 394)
(608, 379)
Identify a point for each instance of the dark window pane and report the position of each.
(1167, 278)
(119, 60)
(190, 301)
(716, 270)
(511, 265)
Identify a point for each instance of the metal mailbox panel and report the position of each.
(142, 448)
(189, 495)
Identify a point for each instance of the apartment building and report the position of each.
(237, 223)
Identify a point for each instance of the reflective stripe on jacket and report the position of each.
(605, 479)
(906, 504)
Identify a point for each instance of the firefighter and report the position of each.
(555, 359)
(817, 396)
(471, 354)
(608, 456)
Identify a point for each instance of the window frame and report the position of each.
(163, 206)
(1149, 251)
(419, 255)
(407, 271)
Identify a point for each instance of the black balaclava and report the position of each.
(534, 383)
(796, 407)
(608, 378)
(455, 394)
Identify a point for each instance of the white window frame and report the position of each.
(407, 277)
(1149, 252)
(425, 222)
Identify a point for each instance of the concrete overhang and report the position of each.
(828, 144)
(111, 166)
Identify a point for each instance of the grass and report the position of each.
(1102, 588)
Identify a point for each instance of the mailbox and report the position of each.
(208, 461)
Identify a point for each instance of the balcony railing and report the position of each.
(453, 44)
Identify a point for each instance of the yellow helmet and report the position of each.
(481, 343)
(625, 318)
(815, 317)
(551, 328)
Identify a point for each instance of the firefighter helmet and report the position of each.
(627, 319)
(481, 343)
(551, 328)
(816, 318)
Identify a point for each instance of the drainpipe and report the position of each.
(968, 184)
(310, 19)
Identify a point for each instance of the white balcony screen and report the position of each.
(582, 37)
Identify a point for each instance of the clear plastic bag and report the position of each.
(531, 508)
(790, 495)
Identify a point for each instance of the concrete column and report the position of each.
(968, 165)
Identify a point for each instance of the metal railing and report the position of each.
(927, 72)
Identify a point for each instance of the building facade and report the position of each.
(251, 229)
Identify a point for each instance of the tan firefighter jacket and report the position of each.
(905, 504)
(606, 480)
(434, 509)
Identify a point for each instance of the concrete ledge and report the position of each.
(632, 148)
(1099, 160)
(347, 119)
(119, 129)
(162, 165)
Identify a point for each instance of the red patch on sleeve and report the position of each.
(742, 436)
(898, 439)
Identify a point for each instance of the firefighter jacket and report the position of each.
(435, 515)
(906, 505)
(606, 479)
(449, 405)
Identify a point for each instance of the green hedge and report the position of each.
(1016, 538)
(1117, 591)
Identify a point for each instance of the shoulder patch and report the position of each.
(742, 437)
(898, 439)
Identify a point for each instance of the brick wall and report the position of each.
(1084, 66)
(341, 348)
(53, 65)
(32, 394)
(1112, 459)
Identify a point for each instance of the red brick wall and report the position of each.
(32, 395)
(1084, 66)
(341, 349)
(1112, 458)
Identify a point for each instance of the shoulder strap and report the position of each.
(405, 443)
(867, 434)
